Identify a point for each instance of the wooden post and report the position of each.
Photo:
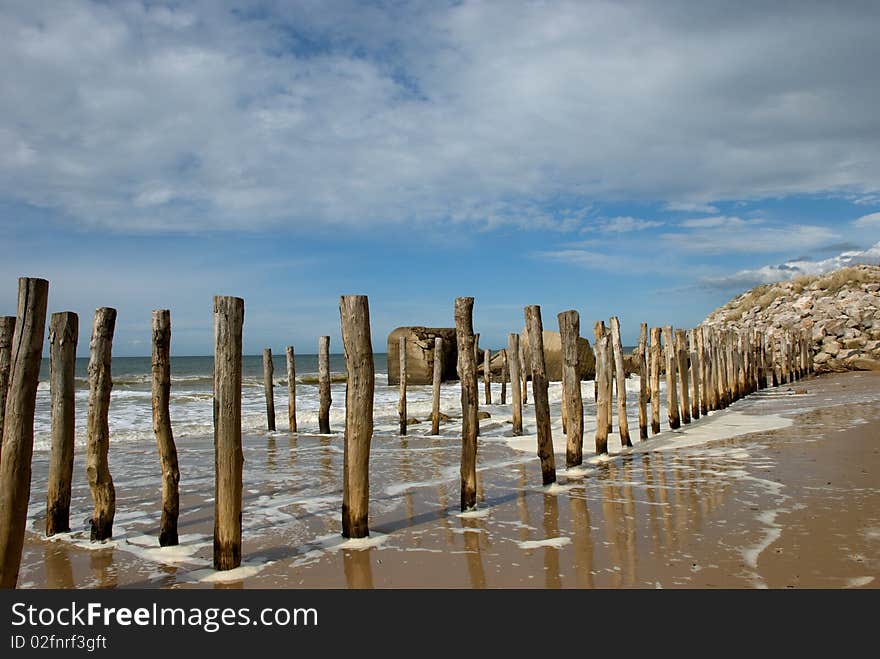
(435, 391)
(655, 380)
(513, 350)
(291, 388)
(324, 385)
(643, 381)
(18, 424)
(269, 386)
(504, 373)
(609, 377)
(600, 389)
(703, 369)
(671, 379)
(7, 331)
(354, 311)
(573, 407)
(467, 373)
(228, 458)
(540, 393)
(691, 343)
(487, 375)
(401, 401)
(161, 369)
(524, 372)
(63, 336)
(98, 438)
(620, 372)
(681, 353)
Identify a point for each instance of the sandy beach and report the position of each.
(778, 491)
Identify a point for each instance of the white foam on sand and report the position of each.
(476, 513)
(244, 571)
(557, 542)
(858, 582)
(771, 535)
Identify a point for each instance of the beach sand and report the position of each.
(795, 504)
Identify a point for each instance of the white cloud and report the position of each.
(868, 221)
(624, 224)
(132, 117)
(719, 235)
(690, 207)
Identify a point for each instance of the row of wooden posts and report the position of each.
(723, 366)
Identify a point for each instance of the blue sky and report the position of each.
(647, 160)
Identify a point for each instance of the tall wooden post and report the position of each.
(504, 372)
(354, 311)
(513, 351)
(487, 375)
(540, 393)
(655, 380)
(643, 381)
(671, 378)
(228, 457)
(569, 332)
(324, 385)
(620, 374)
(600, 350)
(7, 330)
(691, 343)
(467, 373)
(401, 401)
(98, 438)
(703, 369)
(269, 387)
(18, 424)
(435, 390)
(161, 371)
(291, 388)
(63, 336)
(681, 353)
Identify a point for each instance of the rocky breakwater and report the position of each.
(841, 309)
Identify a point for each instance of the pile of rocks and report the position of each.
(840, 308)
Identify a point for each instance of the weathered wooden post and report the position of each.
(620, 373)
(487, 375)
(228, 457)
(504, 371)
(700, 347)
(354, 311)
(63, 335)
(7, 330)
(600, 389)
(98, 437)
(18, 424)
(324, 385)
(161, 385)
(569, 332)
(291, 388)
(401, 402)
(671, 378)
(524, 372)
(269, 387)
(467, 373)
(682, 365)
(643, 381)
(655, 380)
(513, 350)
(540, 393)
(435, 389)
(691, 343)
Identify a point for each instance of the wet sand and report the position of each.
(796, 507)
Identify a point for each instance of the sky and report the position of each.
(640, 159)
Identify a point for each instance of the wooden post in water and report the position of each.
(600, 390)
(63, 336)
(671, 378)
(487, 375)
(98, 437)
(681, 353)
(7, 331)
(703, 369)
(655, 380)
(569, 332)
(513, 351)
(691, 343)
(354, 312)
(269, 387)
(228, 458)
(435, 389)
(467, 373)
(401, 402)
(643, 381)
(324, 385)
(161, 386)
(620, 373)
(291, 388)
(504, 372)
(18, 423)
(540, 393)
